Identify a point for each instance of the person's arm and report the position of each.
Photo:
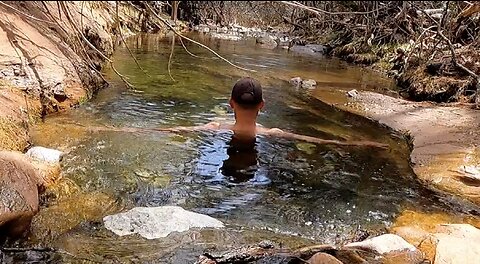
(283, 134)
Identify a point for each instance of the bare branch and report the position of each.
(318, 11)
(193, 41)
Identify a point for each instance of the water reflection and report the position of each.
(225, 158)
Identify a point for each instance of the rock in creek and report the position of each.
(383, 244)
(157, 222)
(309, 84)
(296, 81)
(266, 42)
(45, 154)
(19, 187)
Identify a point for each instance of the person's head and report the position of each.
(247, 96)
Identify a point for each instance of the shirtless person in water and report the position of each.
(246, 101)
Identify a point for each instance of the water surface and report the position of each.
(287, 191)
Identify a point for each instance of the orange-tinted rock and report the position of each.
(19, 182)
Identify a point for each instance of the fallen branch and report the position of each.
(191, 40)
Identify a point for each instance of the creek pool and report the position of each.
(292, 192)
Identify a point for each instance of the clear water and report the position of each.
(289, 192)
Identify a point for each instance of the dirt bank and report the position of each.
(46, 63)
(445, 152)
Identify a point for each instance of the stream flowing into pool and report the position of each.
(289, 192)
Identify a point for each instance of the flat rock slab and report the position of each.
(157, 222)
(446, 153)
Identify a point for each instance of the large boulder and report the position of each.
(157, 222)
(19, 189)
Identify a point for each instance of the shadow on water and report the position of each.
(291, 192)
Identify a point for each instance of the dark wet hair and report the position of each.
(247, 92)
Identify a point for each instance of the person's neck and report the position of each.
(245, 124)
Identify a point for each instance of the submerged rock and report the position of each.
(266, 42)
(157, 222)
(383, 244)
(45, 154)
(19, 183)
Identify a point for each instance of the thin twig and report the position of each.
(170, 59)
(191, 40)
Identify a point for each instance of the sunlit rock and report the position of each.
(157, 222)
(383, 244)
(457, 243)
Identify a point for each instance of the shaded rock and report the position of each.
(266, 42)
(156, 222)
(323, 258)
(45, 154)
(383, 244)
(317, 48)
(296, 81)
(19, 183)
(309, 84)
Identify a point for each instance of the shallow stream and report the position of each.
(290, 192)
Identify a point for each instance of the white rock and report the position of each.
(157, 222)
(45, 154)
(352, 93)
(383, 244)
(309, 84)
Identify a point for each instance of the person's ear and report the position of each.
(262, 104)
(231, 103)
